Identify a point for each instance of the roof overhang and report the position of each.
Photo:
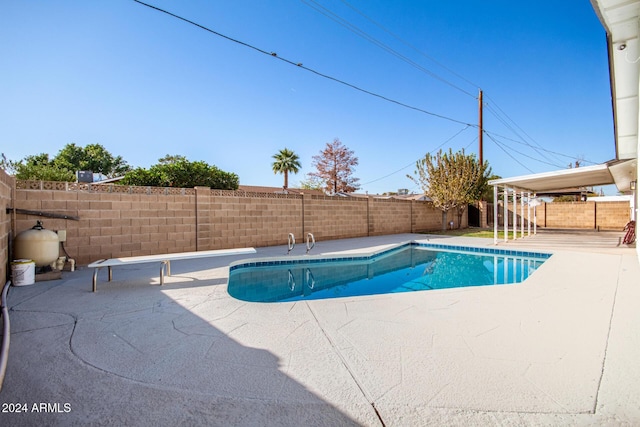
(620, 19)
(619, 172)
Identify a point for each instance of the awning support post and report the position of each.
(495, 214)
(522, 214)
(529, 214)
(505, 215)
(535, 217)
(515, 214)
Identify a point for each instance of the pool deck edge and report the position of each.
(561, 349)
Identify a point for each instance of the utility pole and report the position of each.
(480, 127)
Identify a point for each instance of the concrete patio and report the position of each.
(561, 348)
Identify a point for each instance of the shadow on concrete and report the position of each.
(134, 354)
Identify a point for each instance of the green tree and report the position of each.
(151, 177)
(565, 199)
(93, 157)
(40, 167)
(334, 167)
(311, 183)
(487, 190)
(451, 180)
(286, 161)
(63, 166)
(177, 171)
(170, 159)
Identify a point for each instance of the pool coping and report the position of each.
(278, 293)
(372, 256)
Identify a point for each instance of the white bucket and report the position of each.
(23, 272)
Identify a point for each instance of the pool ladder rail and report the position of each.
(291, 242)
(311, 242)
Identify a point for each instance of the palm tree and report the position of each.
(286, 161)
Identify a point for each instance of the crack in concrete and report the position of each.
(437, 394)
(123, 314)
(352, 374)
(295, 329)
(74, 319)
(606, 346)
(534, 385)
(128, 343)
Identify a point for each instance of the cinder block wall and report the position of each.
(240, 219)
(7, 183)
(612, 215)
(585, 215)
(425, 217)
(331, 218)
(571, 215)
(541, 215)
(114, 224)
(452, 215)
(118, 221)
(519, 217)
(605, 216)
(389, 216)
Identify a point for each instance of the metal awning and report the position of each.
(619, 172)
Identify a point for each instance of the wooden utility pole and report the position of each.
(480, 127)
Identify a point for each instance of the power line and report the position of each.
(499, 113)
(388, 175)
(300, 65)
(508, 126)
(469, 144)
(509, 154)
(512, 121)
(406, 43)
(543, 149)
(414, 162)
(532, 158)
(539, 149)
(354, 29)
(523, 142)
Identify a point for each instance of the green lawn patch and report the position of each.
(472, 232)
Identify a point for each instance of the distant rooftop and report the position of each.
(278, 190)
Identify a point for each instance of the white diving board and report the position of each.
(164, 259)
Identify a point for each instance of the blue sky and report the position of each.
(144, 84)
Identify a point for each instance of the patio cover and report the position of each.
(619, 172)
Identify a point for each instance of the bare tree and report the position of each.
(451, 180)
(335, 166)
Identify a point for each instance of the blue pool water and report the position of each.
(412, 267)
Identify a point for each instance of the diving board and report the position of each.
(163, 259)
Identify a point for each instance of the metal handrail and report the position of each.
(311, 242)
(291, 242)
(6, 334)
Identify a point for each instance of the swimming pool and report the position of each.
(409, 267)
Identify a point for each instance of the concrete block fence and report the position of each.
(118, 221)
(586, 215)
(7, 187)
(598, 216)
